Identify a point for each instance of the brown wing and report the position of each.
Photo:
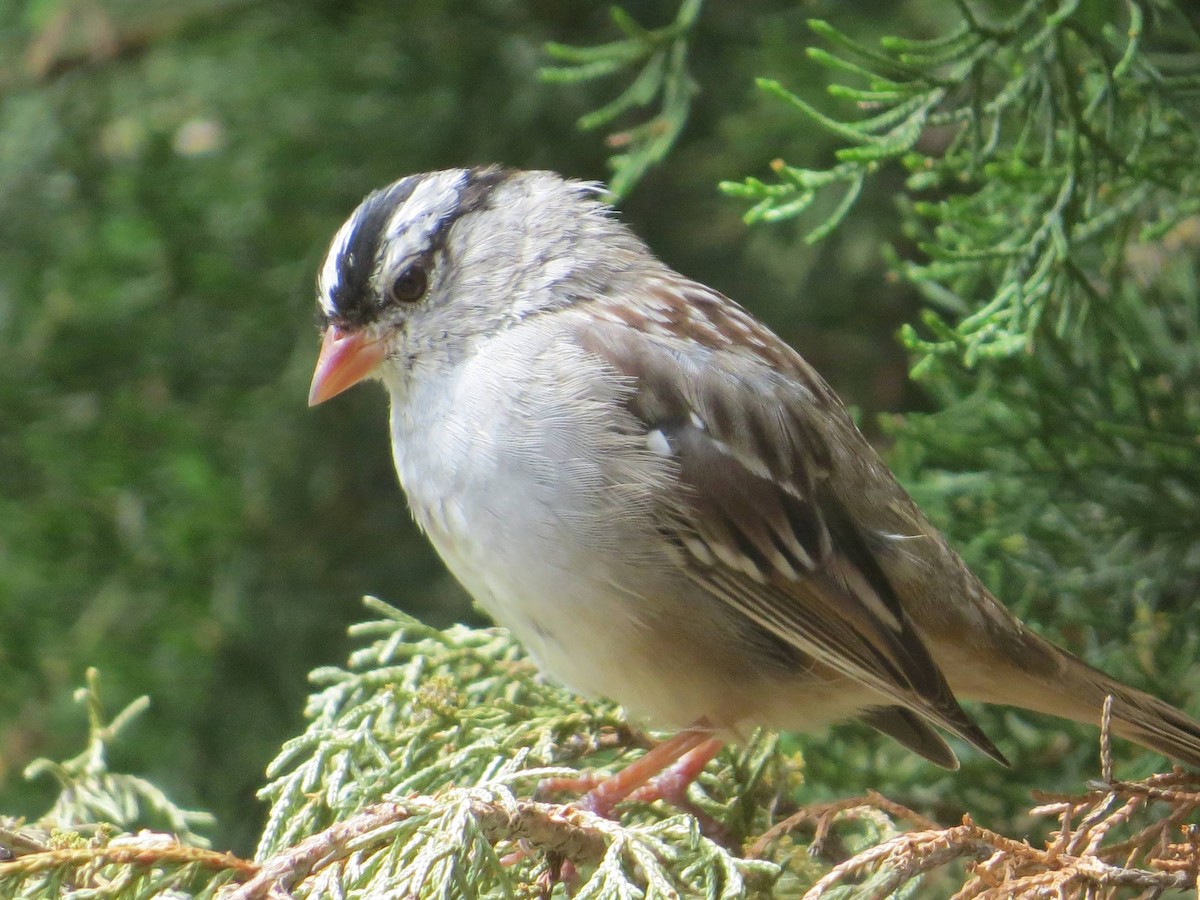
(737, 410)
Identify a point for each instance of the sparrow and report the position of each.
(661, 500)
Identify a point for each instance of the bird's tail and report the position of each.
(1146, 720)
(1062, 684)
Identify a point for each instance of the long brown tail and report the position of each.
(1048, 679)
(1146, 720)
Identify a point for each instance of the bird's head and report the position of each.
(431, 263)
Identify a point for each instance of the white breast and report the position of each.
(545, 498)
(537, 489)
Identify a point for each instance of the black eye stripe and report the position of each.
(352, 296)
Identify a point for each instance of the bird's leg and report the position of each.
(662, 773)
(672, 784)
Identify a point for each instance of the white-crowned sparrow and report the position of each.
(657, 495)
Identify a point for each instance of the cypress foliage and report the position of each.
(1051, 156)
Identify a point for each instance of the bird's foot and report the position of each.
(664, 773)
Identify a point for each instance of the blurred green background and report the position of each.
(170, 174)
(170, 510)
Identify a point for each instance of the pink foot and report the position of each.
(664, 773)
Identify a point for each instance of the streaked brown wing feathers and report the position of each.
(766, 530)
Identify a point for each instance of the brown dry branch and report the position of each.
(563, 831)
(825, 815)
(910, 855)
(1074, 863)
(144, 850)
(1119, 839)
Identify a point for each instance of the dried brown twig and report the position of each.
(825, 815)
(1118, 839)
(1082, 858)
(562, 830)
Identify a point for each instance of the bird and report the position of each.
(660, 498)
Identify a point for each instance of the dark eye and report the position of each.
(410, 285)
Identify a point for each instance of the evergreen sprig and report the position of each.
(1052, 152)
(659, 58)
(90, 794)
(457, 729)
(409, 782)
(85, 844)
(417, 777)
(1036, 146)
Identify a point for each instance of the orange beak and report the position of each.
(346, 358)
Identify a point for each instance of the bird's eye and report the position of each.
(410, 285)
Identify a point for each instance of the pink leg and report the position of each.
(673, 783)
(678, 760)
(671, 787)
(663, 773)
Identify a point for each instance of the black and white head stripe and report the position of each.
(407, 221)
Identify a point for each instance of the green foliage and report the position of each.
(414, 776)
(167, 511)
(413, 779)
(90, 794)
(660, 56)
(1052, 153)
(85, 841)
(455, 726)
(1049, 136)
